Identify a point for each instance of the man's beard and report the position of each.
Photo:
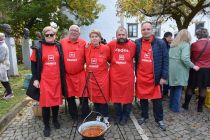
(122, 40)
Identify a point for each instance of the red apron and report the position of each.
(74, 60)
(50, 83)
(96, 61)
(145, 84)
(122, 72)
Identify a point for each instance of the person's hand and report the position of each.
(162, 81)
(196, 68)
(36, 83)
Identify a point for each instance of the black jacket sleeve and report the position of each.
(34, 70)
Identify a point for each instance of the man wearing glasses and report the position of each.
(74, 60)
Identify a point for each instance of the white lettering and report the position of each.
(120, 63)
(121, 50)
(71, 60)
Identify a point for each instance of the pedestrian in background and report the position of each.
(179, 66)
(200, 55)
(167, 38)
(4, 67)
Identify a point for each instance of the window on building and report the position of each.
(199, 25)
(132, 29)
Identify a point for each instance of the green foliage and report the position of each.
(36, 14)
(182, 11)
(19, 92)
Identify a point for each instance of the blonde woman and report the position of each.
(48, 73)
(179, 66)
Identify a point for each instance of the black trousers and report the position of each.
(46, 115)
(122, 111)
(157, 109)
(7, 87)
(72, 106)
(102, 108)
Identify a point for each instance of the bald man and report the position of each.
(74, 60)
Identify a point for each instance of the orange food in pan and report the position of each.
(92, 131)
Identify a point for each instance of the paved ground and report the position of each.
(184, 125)
(27, 127)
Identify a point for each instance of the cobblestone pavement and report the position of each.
(186, 125)
(27, 127)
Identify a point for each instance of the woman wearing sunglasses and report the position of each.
(48, 73)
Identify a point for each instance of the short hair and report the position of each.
(167, 34)
(121, 28)
(74, 26)
(146, 22)
(202, 33)
(49, 28)
(95, 32)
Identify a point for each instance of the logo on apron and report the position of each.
(51, 58)
(93, 61)
(121, 57)
(71, 54)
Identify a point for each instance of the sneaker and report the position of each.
(161, 125)
(56, 124)
(142, 121)
(98, 118)
(46, 131)
(106, 120)
(8, 96)
(123, 122)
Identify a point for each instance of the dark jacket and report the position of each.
(36, 67)
(167, 45)
(160, 58)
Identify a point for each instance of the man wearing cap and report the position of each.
(74, 59)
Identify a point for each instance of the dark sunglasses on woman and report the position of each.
(49, 35)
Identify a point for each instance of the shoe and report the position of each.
(56, 124)
(142, 121)
(106, 121)
(46, 131)
(186, 107)
(123, 122)
(8, 96)
(117, 120)
(74, 117)
(161, 125)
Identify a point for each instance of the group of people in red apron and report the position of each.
(106, 71)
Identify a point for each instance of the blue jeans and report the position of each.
(175, 97)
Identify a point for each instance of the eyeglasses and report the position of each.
(49, 35)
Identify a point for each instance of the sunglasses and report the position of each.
(49, 35)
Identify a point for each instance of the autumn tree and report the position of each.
(182, 11)
(36, 14)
